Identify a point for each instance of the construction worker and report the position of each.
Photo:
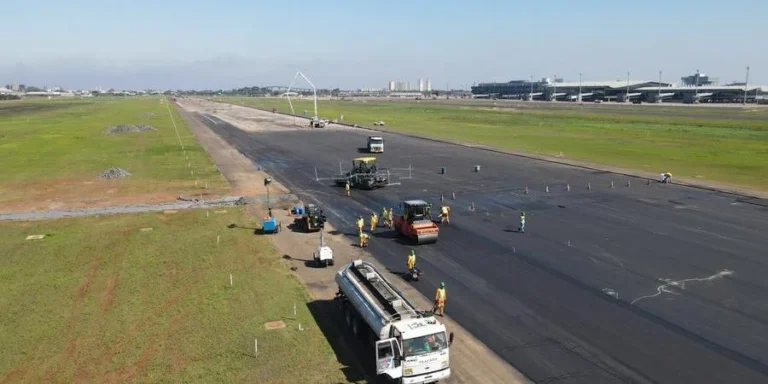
(522, 222)
(385, 217)
(391, 219)
(346, 187)
(440, 297)
(445, 212)
(363, 240)
(666, 177)
(411, 261)
(374, 222)
(360, 223)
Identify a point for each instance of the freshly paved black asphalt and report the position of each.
(564, 301)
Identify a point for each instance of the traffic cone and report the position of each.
(611, 183)
(453, 195)
(568, 187)
(629, 183)
(547, 189)
(441, 197)
(526, 189)
(589, 186)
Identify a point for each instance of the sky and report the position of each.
(174, 44)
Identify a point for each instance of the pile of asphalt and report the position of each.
(125, 128)
(114, 173)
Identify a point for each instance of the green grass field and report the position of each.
(100, 300)
(726, 145)
(60, 144)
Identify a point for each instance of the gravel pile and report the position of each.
(114, 173)
(123, 128)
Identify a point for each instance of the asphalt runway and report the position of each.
(639, 283)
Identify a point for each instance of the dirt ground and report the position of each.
(471, 360)
(248, 119)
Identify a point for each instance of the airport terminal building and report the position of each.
(623, 91)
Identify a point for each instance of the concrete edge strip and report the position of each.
(740, 195)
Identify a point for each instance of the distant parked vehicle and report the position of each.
(379, 123)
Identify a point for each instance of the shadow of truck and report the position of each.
(356, 355)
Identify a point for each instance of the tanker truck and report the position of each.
(410, 345)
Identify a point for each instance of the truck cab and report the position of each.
(375, 144)
(417, 352)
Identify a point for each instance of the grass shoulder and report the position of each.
(147, 297)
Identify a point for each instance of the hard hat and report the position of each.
(412, 251)
(442, 284)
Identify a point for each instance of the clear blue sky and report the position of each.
(352, 44)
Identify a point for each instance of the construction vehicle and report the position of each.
(416, 222)
(316, 122)
(364, 175)
(375, 144)
(312, 219)
(411, 346)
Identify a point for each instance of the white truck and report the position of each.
(375, 144)
(411, 345)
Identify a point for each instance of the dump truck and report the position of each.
(416, 223)
(410, 345)
(375, 144)
(364, 175)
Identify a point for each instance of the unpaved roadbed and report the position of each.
(138, 208)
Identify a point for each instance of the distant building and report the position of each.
(405, 94)
(515, 89)
(703, 80)
(429, 85)
(399, 86)
(15, 87)
(422, 85)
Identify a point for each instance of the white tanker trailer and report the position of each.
(411, 345)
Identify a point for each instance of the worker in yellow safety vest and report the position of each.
(374, 222)
(445, 212)
(440, 297)
(360, 223)
(385, 217)
(411, 261)
(363, 240)
(391, 218)
(346, 187)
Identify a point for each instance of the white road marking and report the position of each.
(664, 288)
(214, 122)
